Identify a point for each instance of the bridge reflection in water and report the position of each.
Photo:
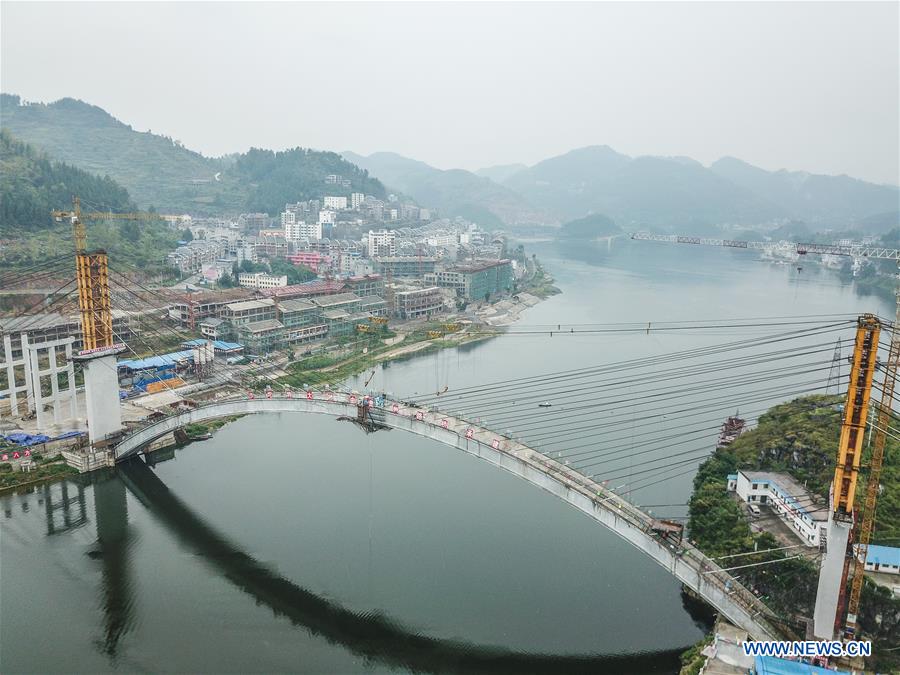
(370, 635)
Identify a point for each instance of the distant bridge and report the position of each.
(689, 565)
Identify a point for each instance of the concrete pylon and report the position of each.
(831, 578)
(101, 388)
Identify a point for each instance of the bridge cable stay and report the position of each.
(161, 330)
(739, 329)
(514, 409)
(39, 308)
(567, 413)
(37, 272)
(664, 358)
(254, 370)
(504, 398)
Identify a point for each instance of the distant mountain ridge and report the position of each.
(159, 171)
(674, 192)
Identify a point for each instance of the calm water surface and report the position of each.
(297, 543)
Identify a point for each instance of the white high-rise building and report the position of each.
(325, 218)
(297, 231)
(356, 200)
(383, 242)
(337, 203)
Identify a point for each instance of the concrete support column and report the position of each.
(101, 388)
(831, 577)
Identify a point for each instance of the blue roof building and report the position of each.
(885, 559)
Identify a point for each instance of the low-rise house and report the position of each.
(792, 502)
(213, 328)
(261, 280)
(373, 305)
(262, 337)
(418, 303)
(347, 302)
(302, 320)
(884, 559)
(249, 311)
(404, 265)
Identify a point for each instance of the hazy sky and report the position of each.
(801, 86)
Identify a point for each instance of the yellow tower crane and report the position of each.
(882, 422)
(92, 275)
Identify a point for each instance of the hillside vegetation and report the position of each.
(32, 185)
(799, 438)
(277, 178)
(160, 172)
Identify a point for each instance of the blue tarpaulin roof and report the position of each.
(26, 440)
(157, 361)
(218, 345)
(770, 665)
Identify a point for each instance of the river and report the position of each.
(298, 543)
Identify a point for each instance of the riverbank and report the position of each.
(198, 430)
(332, 370)
(417, 338)
(45, 471)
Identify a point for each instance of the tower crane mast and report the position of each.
(876, 461)
(92, 275)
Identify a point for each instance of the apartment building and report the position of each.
(382, 243)
(418, 303)
(477, 280)
(336, 203)
(249, 311)
(261, 280)
(404, 265)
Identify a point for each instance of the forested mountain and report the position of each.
(454, 192)
(31, 185)
(159, 171)
(276, 178)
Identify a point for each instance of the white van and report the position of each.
(753, 509)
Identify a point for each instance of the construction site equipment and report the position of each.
(379, 320)
(450, 327)
(831, 595)
(434, 334)
(92, 275)
(872, 481)
(853, 250)
(853, 427)
(364, 328)
(670, 530)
